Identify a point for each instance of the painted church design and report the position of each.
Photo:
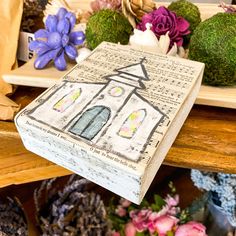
(110, 116)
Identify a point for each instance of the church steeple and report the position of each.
(132, 74)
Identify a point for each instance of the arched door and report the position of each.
(91, 122)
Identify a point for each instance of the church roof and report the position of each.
(138, 70)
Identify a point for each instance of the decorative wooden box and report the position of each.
(113, 118)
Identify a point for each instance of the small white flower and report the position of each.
(147, 41)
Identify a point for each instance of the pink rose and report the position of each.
(165, 223)
(120, 211)
(192, 228)
(130, 229)
(140, 219)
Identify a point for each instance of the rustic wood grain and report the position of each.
(207, 141)
(17, 165)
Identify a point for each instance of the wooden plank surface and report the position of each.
(207, 141)
(28, 76)
(217, 96)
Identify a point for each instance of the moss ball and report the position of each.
(188, 11)
(107, 25)
(214, 43)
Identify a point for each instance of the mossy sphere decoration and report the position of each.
(188, 11)
(214, 43)
(107, 25)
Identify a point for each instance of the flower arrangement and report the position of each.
(69, 206)
(118, 20)
(107, 23)
(161, 218)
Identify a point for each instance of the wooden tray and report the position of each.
(213, 96)
(28, 76)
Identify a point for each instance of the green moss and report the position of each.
(189, 12)
(107, 25)
(214, 43)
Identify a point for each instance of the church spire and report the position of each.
(132, 74)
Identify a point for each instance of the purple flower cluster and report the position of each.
(57, 40)
(163, 21)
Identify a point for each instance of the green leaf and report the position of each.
(131, 208)
(155, 234)
(140, 234)
(169, 233)
(144, 204)
(184, 216)
(159, 201)
(155, 207)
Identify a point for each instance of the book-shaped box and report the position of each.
(113, 118)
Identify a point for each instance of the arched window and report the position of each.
(67, 100)
(91, 122)
(132, 123)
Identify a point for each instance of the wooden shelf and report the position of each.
(207, 141)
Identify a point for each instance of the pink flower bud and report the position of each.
(130, 229)
(120, 211)
(172, 201)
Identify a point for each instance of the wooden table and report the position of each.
(207, 141)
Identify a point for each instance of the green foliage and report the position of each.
(158, 203)
(117, 222)
(188, 11)
(214, 43)
(169, 233)
(107, 25)
(184, 216)
(140, 234)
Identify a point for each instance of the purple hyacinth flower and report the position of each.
(61, 13)
(57, 41)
